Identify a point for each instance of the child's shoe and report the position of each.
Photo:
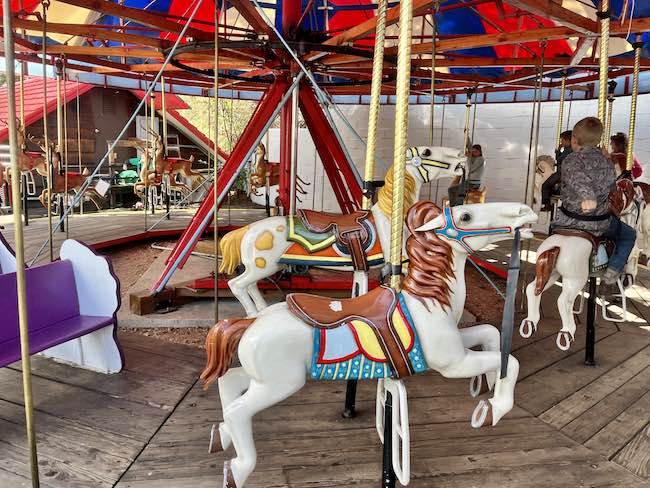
(610, 277)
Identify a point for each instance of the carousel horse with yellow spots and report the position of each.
(382, 334)
(356, 241)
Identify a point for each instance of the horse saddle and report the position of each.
(601, 247)
(350, 230)
(373, 309)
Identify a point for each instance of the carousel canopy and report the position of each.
(493, 47)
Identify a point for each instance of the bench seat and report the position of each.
(51, 336)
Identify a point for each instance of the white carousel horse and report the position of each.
(261, 245)
(569, 257)
(544, 168)
(278, 350)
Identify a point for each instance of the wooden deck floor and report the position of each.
(114, 226)
(573, 425)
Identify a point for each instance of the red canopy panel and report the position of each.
(34, 95)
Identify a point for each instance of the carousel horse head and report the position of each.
(468, 228)
(545, 166)
(428, 163)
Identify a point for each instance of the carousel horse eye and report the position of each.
(465, 217)
(426, 152)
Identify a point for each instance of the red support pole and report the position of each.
(286, 142)
(291, 13)
(346, 188)
(227, 177)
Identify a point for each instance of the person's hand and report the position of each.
(588, 206)
(605, 152)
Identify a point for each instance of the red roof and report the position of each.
(34, 95)
(172, 102)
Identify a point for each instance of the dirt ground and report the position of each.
(130, 262)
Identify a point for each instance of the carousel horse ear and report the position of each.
(424, 216)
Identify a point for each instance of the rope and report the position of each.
(375, 98)
(121, 134)
(403, 87)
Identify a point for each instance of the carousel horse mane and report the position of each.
(431, 259)
(385, 195)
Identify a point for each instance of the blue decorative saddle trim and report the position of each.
(352, 364)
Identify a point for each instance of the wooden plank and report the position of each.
(96, 410)
(548, 9)
(614, 436)
(65, 429)
(100, 468)
(141, 16)
(605, 411)
(53, 473)
(636, 455)
(582, 400)
(540, 392)
(128, 385)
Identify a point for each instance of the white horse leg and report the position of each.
(488, 337)
(261, 248)
(239, 419)
(533, 302)
(475, 363)
(231, 386)
(258, 298)
(239, 287)
(570, 289)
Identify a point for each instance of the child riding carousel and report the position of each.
(587, 178)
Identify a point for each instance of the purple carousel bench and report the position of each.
(72, 306)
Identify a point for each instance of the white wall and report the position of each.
(502, 129)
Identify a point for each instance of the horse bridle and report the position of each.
(422, 163)
(452, 232)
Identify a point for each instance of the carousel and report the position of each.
(336, 339)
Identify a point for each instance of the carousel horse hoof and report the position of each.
(477, 386)
(480, 414)
(563, 341)
(228, 478)
(527, 328)
(215, 440)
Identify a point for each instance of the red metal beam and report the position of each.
(225, 180)
(330, 151)
(286, 143)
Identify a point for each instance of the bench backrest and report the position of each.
(51, 298)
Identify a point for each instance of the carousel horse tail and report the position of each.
(230, 246)
(221, 343)
(544, 268)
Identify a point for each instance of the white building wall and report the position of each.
(503, 130)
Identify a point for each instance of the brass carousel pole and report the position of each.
(154, 131)
(604, 15)
(164, 135)
(560, 117)
(375, 98)
(432, 107)
(610, 108)
(216, 162)
(58, 72)
(23, 69)
(20, 244)
(402, 90)
(46, 141)
(638, 45)
(468, 112)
